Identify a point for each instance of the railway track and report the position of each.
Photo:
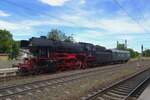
(9, 91)
(126, 89)
(17, 77)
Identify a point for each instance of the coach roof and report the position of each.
(121, 51)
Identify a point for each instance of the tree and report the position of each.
(8, 45)
(15, 49)
(146, 53)
(5, 41)
(54, 35)
(69, 39)
(57, 35)
(133, 54)
(121, 46)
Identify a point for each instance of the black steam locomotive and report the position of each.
(47, 56)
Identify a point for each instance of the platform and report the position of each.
(8, 72)
(146, 94)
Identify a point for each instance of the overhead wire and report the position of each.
(132, 18)
(140, 12)
(31, 9)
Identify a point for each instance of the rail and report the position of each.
(121, 90)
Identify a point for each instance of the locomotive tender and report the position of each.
(51, 56)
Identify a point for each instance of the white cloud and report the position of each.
(4, 14)
(82, 1)
(80, 19)
(110, 26)
(17, 29)
(117, 25)
(54, 2)
(12, 26)
(8, 25)
(88, 35)
(41, 22)
(120, 25)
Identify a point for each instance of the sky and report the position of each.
(101, 22)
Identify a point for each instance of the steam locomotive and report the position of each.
(50, 56)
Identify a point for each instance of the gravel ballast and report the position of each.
(79, 88)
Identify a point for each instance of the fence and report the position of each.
(8, 72)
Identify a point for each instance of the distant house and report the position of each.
(4, 56)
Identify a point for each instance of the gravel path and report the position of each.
(75, 90)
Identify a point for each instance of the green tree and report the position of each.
(6, 41)
(133, 54)
(54, 35)
(146, 53)
(121, 46)
(69, 39)
(15, 49)
(8, 45)
(57, 35)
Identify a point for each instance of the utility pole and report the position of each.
(117, 44)
(125, 44)
(141, 50)
(141, 53)
(140, 57)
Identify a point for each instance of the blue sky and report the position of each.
(101, 22)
